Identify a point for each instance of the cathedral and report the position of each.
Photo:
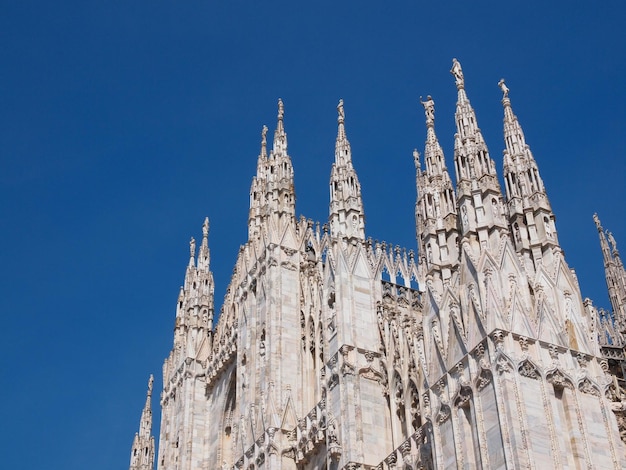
(332, 351)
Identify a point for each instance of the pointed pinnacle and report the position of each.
(280, 138)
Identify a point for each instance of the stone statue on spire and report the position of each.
(457, 71)
(341, 115)
(504, 88)
(150, 383)
(597, 221)
(612, 241)
(281, 110)
(192, 247)
(416, 158)
(429, 110)
(205, 227)
(264, 140)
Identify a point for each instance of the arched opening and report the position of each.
(468, 429)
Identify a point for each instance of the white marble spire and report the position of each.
(346, 206)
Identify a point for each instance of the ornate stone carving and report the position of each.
(586, 386)
(444, 414)
(527, 369)
(498, 338)
(558, 379)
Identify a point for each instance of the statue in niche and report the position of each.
(504, 88)
(523, 189)
(262, 344)
(464, 217)
(331, 431)
(548, 227)
(518, 236)
(495, 208)
(569, 307)
(457, 71)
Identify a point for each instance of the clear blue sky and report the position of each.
(124, 123)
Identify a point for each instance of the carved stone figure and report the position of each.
(429, 109)
(458, 73)
(281, 110)
(504, 88)
(341, 113)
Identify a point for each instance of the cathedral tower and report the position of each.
(530, 215)
(478, 192)
(272, 195)
(435, 210)
(183, 411)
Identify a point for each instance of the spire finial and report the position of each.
(416, 159)
(340, 112)
(280, 138)
(205, 228)
(504, 88)
(598, 224)
(457, 71)
(281, 110)
(264, 141)
(341, 117)
(429, 110)
(192, 247)
(612, 241)
(150, 383)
